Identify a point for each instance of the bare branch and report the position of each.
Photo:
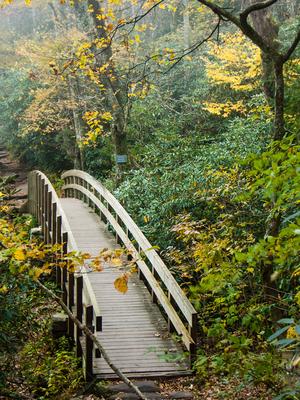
(93, 337)
(196, 45)
(137, 18)
(221, 12)
(290, 51)
(242, 23)
(257, 7)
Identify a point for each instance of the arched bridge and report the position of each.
(149, 331)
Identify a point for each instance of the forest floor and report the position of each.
(215, 388)
(9, 167)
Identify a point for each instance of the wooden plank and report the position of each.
(144, 374)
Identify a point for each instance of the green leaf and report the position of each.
(285, 342)
(286, 321)
(278, 333)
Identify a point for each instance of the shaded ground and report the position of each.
(216, 388)
(8, 167)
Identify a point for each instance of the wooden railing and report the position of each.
(181, 315)
(76, 290)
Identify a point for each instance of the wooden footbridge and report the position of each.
(138, 329)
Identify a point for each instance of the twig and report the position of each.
(90, 334)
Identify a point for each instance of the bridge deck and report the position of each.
(134, 332)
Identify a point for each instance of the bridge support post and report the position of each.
(79, 312)
(71, 303)
(98, 329)
(88, 368)
(44, 210)
(65, 269)
(171, 327)
(59, 241)
(40, 197)
(54, 224)
(193, 330)
(49, 217)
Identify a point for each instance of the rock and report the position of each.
(144, 386)
(133, 396)
(59, 325)
(181, 395)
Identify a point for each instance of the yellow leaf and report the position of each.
(19, 255)
(3, 289)
(97, 265)
(117, 262)
(37, 272)
(121, 284)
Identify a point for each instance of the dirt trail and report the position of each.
(9, 166)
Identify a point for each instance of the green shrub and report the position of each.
(50, 369)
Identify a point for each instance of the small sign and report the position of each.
(121, 158)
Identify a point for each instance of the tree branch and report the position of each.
(93, 337)
(243, 25)
(257, 7)
(290, 51)
(221, 12)
(195, 46)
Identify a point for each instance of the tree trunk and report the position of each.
(279, 128)
(186, 25)
(116, 93)
(79, 157)
(120, 140)
(264, 24)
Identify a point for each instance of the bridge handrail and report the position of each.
(79, 182)
(55, 199)
(41, 198)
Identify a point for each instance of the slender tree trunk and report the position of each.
(279, 128)
(186, 25)
(79, 157)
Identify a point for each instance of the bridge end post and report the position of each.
(193, 329)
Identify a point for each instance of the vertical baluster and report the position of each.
(79, 312)
(89, 343)
(65, 270)
(171, 327)
(116, 235)
(37, 180)
(193, 330)
(98, 329)
(54, 223)
(44, 202)
(59, 241)
(70, 302)
(41, 183)
(30, 190)
(49, 216)
(153, 295)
